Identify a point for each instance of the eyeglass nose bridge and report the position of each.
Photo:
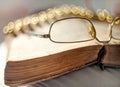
(94, 36)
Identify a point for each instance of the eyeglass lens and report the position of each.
(71, 30)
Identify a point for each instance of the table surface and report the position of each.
(89, 77)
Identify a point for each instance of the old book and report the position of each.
(32, 59)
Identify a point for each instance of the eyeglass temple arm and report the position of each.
(40, 35)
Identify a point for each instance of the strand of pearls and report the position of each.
(42, 17)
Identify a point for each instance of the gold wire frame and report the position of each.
(112, 24)
(92, 31)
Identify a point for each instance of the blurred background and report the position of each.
(13, 9)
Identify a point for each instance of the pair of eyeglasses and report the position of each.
(76, 29)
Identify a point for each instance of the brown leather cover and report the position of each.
(43, 68)
(111, 57)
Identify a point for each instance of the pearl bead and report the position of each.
(18, 25)
(50, 14)
(66, 9)
(109, 18)
(89, 14)
(42, 17)
(101, 15)
(58, 12)
(34, 20)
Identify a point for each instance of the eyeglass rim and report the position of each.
(65, 19)
(112, 24)
(94, 31)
